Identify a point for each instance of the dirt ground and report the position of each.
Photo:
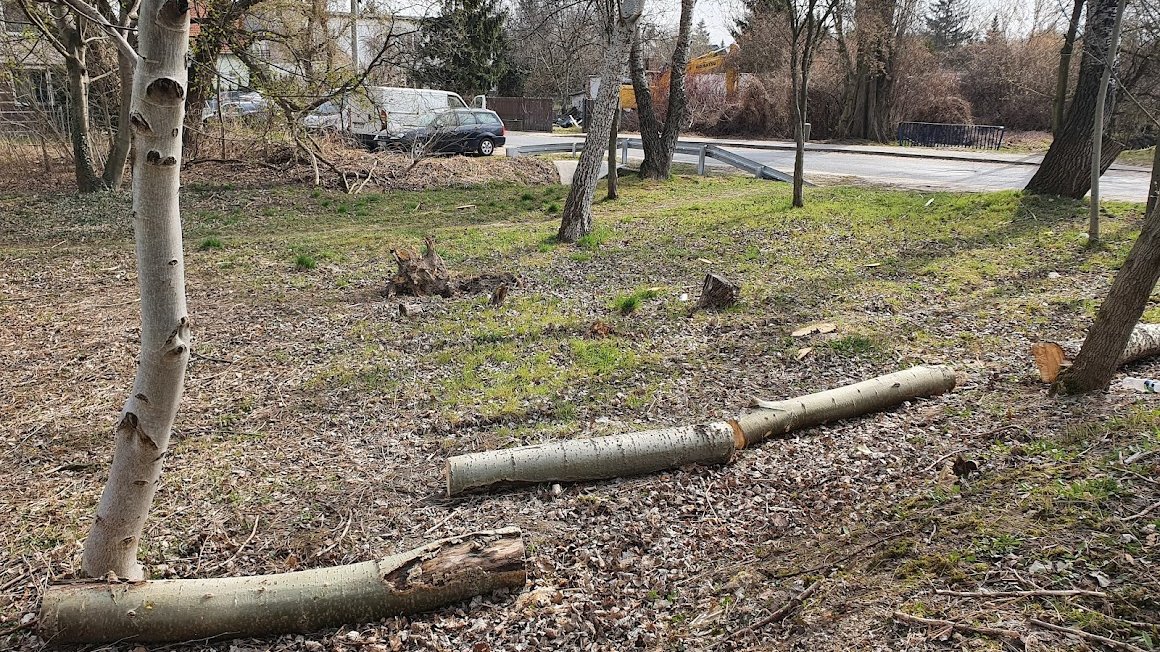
(316, 420)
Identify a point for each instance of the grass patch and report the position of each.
(303, 262)
(628, 303)
(209, 243)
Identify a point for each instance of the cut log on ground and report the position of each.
(874, 395)
(717, 293)
(426, 578)
(714, 443)
(1051, 357)
(592, 459)
(420, 275)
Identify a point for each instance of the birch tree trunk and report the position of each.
(613, 136)
(1098, 132)
(576, 221)
(114, 171)
(660, 142)
(430, 576)
(1154, 186)
(142, 433)
(73, 38)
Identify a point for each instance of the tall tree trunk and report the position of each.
(797, 83)
(676, 112)
(119, 148)
(1154, 187)
(1098, 133)
(1065, 168)
(80, 130)
(142, 433)
(576, 220)
(613, 136)
(650, 138)
(1064, 73)
(867, 110)
(1098, 358)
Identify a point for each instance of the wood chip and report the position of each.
(819, 329)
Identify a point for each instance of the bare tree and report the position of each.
(74, 30)
(622, 17)
(142, 433)
(807, 23)
(660, 141)
(1064, 74)
(1098, 132)
(560, 42)
(879, 27)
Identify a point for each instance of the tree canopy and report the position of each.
(464, 49)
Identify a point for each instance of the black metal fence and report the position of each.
(930, 134)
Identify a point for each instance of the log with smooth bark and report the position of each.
(425, 578)
(592, 459)
(1051, 358)
(714, 443)
(781, 417)
(142, 434)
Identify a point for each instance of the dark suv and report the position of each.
(459, 131)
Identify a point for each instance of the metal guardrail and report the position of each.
(702, 151)
(930, 134)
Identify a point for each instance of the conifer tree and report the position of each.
(465, 48)
(947, 23)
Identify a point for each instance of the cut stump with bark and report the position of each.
(717, 293)
(592, 459)
(1051, 358)
(410, 310)
(420, 276)
(425, 578)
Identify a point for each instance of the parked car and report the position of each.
(378, 108)
(330, 115)
(236, 104)
(460, 131)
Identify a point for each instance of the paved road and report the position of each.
(914, 171)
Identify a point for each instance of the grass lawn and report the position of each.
(319, 419)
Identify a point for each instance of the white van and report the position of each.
(385, 108)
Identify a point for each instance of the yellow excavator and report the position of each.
(714, 63)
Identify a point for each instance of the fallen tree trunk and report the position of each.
(874, 395)
(422, 579)
(592, 459)
(714, 443)
(1051, 357)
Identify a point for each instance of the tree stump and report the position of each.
(717, 293)
(421, 275)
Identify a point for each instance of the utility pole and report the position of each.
(354, 36)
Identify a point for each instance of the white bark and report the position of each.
(592, 459)
(781, 417)
(1098, 133)
(142, 434)
(1052, 357)
(428, 577)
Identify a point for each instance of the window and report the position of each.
(488, 119)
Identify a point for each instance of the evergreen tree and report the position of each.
(947, 23)
(700, 42)
(465, 48)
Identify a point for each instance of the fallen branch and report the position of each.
(592, 459)
(1110, 642)
(1051, 357)
(655, 450)
(1045, 593)
(422, 579)
(778, 615)
(957, 626)
(1147, 510)
(874, 395)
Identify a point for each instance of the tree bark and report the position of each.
(592, 459)
(428, 577)
(1051, 357)
(798, 92)
(1154, 186)
(1065, 169)
(114, 171)
(714, 443)
(71, 29)
(717, 293)
(1109, 335)
(1098, 130)
(576, 220)
(782, 417)
(613, 136)
(1064, 73)
(867, 108)
(660, 142)
(142, 434)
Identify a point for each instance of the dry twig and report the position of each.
(961, 627)
(1088, 636)
(778, 615)
(1023, 594)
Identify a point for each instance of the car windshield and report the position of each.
(327, 108)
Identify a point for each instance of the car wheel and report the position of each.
(486, 146)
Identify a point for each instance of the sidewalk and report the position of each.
(972, 156)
